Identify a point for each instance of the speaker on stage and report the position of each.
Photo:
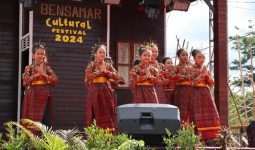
(148, 120)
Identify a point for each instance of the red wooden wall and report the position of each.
(69, 60)
(221, 60)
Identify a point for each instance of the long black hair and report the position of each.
(195, 52)
(178, 53)
(95, 49)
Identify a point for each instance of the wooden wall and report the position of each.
(130, 24)
(9, 21)
(69, 61)
(221, 60)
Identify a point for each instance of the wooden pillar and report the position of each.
(221, 60)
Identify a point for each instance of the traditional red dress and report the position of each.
(169, 84)
(160, 89)
(205, 113)
(114, 83)
(181, 96)
(100, 104)
(143, 89)
(37, 102)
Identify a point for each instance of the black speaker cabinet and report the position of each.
(148, 119)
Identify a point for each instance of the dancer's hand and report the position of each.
(103, 67)
(205, 72)
(157, 66)
(148, 73)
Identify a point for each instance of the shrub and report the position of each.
(186, 139)
(103, 139)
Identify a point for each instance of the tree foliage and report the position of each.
(244, 44)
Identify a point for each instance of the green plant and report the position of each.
(48, 140)
(73, 138)
(186, 139)
(16, 140)
(244, 45)
(170, 141)
(226, 139)
(102, 139)
(1, 135)
(132, 144)
(98, 139)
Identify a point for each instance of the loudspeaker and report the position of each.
(148, 118)
(28, 4)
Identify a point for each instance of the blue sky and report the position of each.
(193, 26)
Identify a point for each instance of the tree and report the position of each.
(244, 43)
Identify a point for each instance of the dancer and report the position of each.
(160, 90)
(181, 96)
(100, 104)
(142, 78)
(37, 78)
(205, 114)
(169, 74)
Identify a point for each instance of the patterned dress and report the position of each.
(169, 84)
(143, 89)
(159, 87)
(37, 104)
(114, 84)
(100, 103)
(205, 113)
(181, 96)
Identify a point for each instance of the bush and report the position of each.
(103, 139)
(98, 139)
(15, 140)
(186, 139)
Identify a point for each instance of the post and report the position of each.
(108, 29)
(165, 50)
(221, 60)
(20, 57)
(31, 21)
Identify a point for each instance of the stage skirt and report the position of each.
(169, 95)
(145, 94)
(205, 114)
(37, 106)
(161, 93)
(181, 97)
(116, 100)
(100, 105)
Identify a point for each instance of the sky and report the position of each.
(193, 26)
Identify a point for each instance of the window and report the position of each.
(126, 53)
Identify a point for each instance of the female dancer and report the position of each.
(100, 103)
(204, 109)
(181, 96)
(37, 78)
(160, 90)
(169, 74)
(142, 78)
